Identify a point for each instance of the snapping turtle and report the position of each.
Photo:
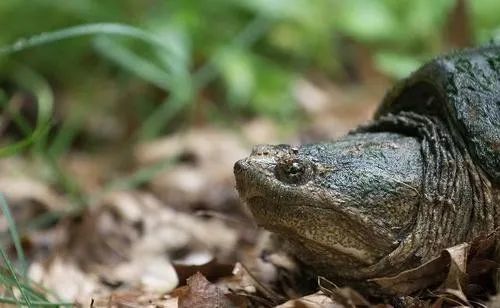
(422, 176)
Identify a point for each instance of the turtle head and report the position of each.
(338, 205)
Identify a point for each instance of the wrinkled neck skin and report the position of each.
(384, 198)
(456, 204)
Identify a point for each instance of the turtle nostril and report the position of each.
(238, 167)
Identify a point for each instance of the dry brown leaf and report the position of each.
(471, 273)
(449, 266)
(316, 300)
(21, 185)
(201, 293)
(134, 299)
(132, 224)
(66, 280)
(456, 277)
(22, 189)
(241, 280)
(452, 296)
(29, 199)
(149, 273)
(129, 239)
(465, 271)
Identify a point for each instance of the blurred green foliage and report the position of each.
(196, 60)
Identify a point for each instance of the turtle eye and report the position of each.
(296, 168)
(293, 171)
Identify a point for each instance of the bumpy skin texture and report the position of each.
(422, 176)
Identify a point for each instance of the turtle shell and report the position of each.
(462, 88)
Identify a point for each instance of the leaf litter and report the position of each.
(181, 239)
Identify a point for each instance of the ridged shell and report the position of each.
(463, 88)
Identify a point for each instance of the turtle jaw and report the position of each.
(319, 231)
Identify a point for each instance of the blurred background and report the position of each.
(190, 63)
(161, 97)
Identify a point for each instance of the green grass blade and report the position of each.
(247, 37)
(170, 107)
(83, 30)
(30, 296)
(13, 301)
(140, 66)
(166, 111)
(125, 58)
(21, 122)
(45, 100)
(13, 233)
(34, 291)
(14, 276)
(65, 136)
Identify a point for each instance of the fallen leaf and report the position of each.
(464, 273)
(134, 298)
(316, 300)
(151, 273)
(66, 280)
(449, 266)
(456, 277)
(201, 293)
(21, 189)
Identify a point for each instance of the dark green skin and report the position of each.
(422, 176)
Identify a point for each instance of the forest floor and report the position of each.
(169, 229)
